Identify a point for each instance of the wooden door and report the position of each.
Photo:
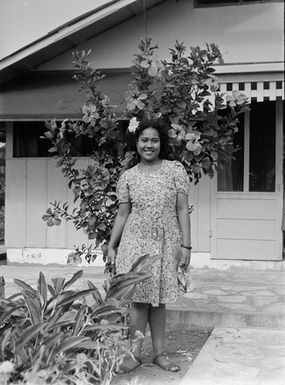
(247, 194)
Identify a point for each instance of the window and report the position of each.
(253, 168)
(208, 3)
(27, 141)
(262, 147)
(230, 172)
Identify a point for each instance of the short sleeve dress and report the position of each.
(152, 228)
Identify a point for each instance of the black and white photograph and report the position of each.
(142, 204)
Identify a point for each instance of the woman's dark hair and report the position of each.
(161, 127)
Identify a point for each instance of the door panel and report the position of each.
(247, 209)
(253, 207)
(246, 229)
(245, 250)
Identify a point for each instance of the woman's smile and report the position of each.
(148, 145)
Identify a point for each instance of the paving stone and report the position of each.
(262, 301)
(271, 376)
(280, 291)
(265, 293)
(244, 288)
(239, 307)
(195, 295)
(273, 362)
(234, 356)
(234, 299)
(278, 308)
(231, 353)
(215, 292)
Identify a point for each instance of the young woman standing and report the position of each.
(152, 218)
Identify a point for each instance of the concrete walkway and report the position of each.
(235, 297)
(247, 356)
(247, 309)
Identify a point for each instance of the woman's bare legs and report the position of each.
(139, 317)
(157, 322)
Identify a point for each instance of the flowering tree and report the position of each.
(183, 92)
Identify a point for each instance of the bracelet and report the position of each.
(186, 247)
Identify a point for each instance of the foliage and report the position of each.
(53, 335)
(183, 93)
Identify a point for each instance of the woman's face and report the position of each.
(148, 144)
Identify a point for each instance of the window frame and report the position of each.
(225, 3)
(246, 154)
(43, 144)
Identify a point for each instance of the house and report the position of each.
(237, 217)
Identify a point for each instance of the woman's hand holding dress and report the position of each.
(185, 258)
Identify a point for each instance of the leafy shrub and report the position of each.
(183, 93)
(53, 335)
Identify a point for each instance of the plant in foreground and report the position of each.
(57, 335)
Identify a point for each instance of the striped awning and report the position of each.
(257, 90)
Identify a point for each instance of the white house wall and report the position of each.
(200, 198)
(32, 183)
(246, 33)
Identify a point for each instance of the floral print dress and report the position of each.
(152, 228)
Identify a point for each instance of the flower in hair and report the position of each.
(133, 125)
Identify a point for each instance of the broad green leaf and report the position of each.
(52, 149)
(51, 312)
(143, 262)
(52, 340)
(42, 287)
(4, 340)
(107, 326)
(75, 297)
(34, 308)
(69, 343)
(96, 295)
(30, 333)
(74, 278)
(79, 321)
(116, 290)
(23, 355)
(60, 324)
(5, 316)
(25, 286)
(53, 302)
(2, 287)
(123, 293)
(58, 284)
(88, 345)
(51, 290)
(48, 343)
(14, 296)
(104, 311)
(67, 315)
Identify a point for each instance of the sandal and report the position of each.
(170, 367)
(124, 368)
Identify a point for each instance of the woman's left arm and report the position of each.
(184, 224)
